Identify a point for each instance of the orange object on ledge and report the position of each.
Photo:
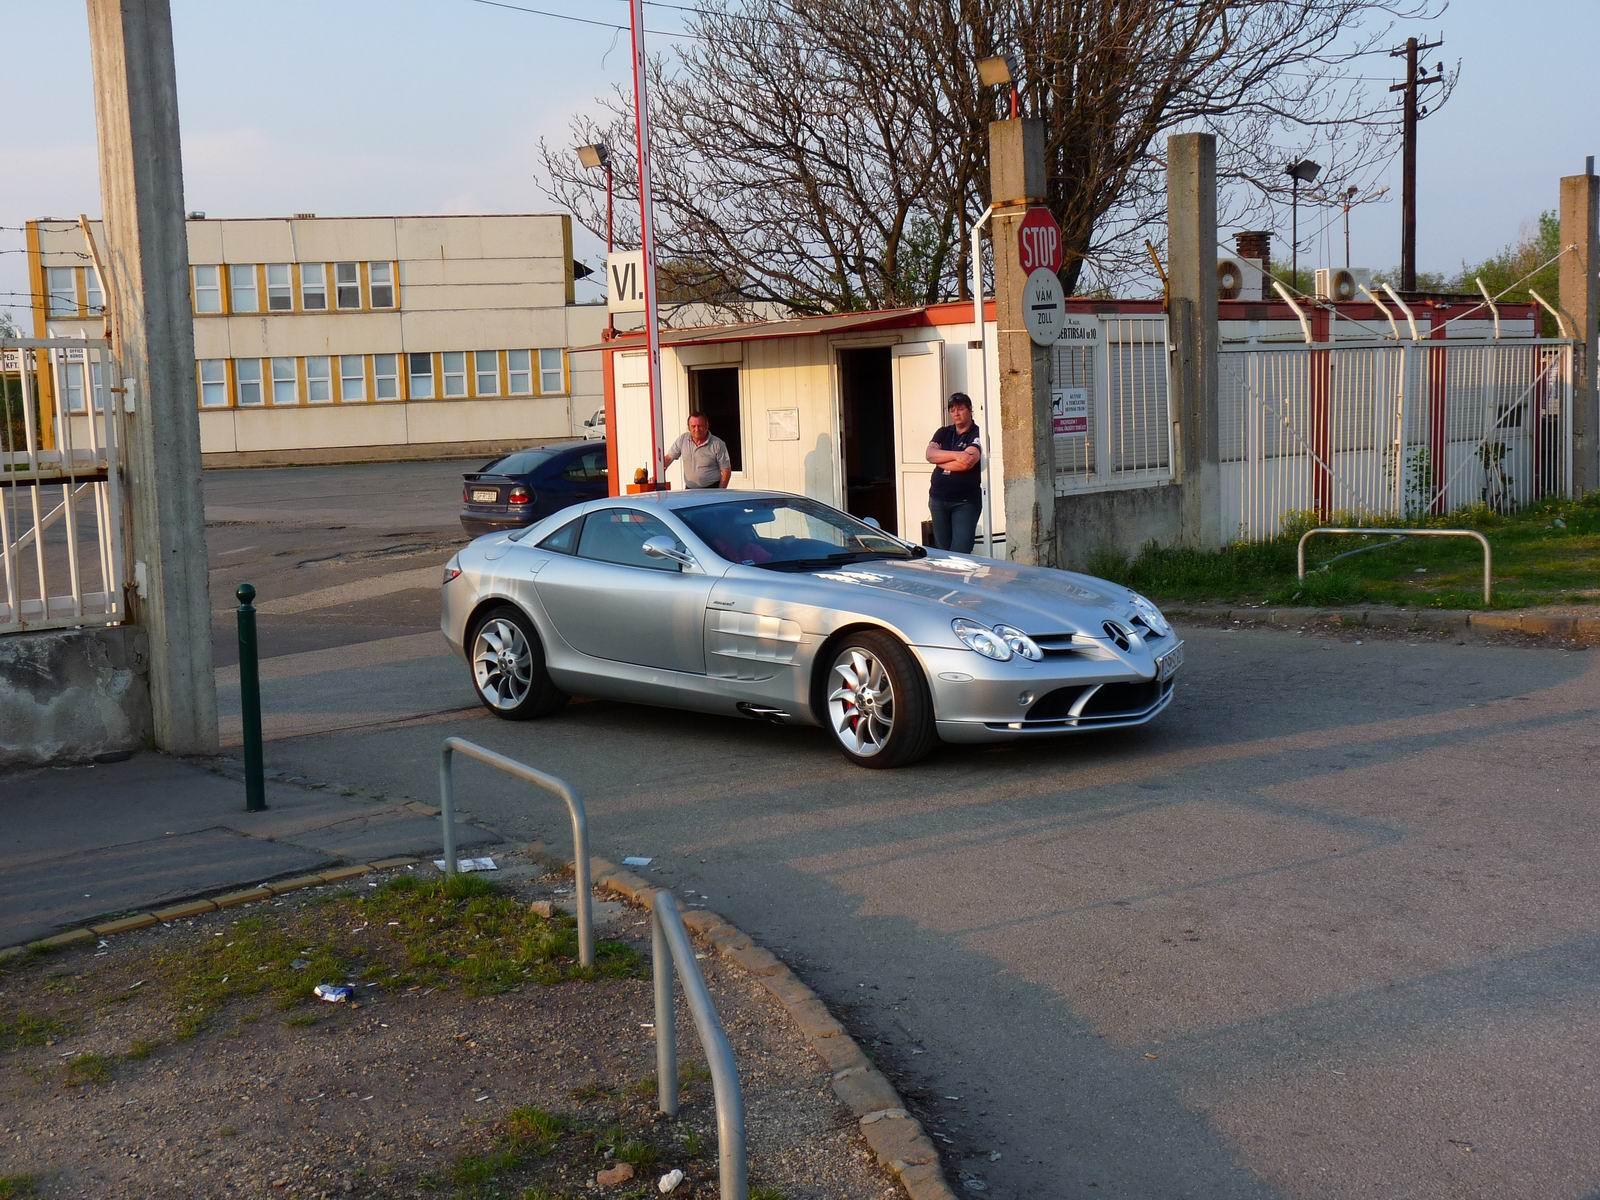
(635, 488)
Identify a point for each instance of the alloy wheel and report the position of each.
(502, 663)
(861, 705)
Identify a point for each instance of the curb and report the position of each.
(193, 908)
(1542, 628)
(898, 1140)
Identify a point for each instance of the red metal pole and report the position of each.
(1321, 435)
(647, 235)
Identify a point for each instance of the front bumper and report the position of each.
(976, 699)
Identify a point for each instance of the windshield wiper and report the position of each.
(831, 560)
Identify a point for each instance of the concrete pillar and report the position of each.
(1027, 439)
(1577, 302)
(1192, 292)
(147, 259)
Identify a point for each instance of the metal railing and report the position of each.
(671, 949)
(1390, 429)
(1488, 555)
(548, 783)
(1110, 390)
(62, 534)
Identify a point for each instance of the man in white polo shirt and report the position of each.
(705, 457)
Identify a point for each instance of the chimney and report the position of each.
(1256, 244)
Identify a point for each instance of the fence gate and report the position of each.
(1108, 387)
(1390, 429)
(62, 532)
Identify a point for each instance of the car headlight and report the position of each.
(1021, 644)
(981, 638)
(1158, 624)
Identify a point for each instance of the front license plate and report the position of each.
(1167, 665)
(484, 495)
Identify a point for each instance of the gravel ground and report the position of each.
(406, 1092)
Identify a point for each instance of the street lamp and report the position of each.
(1000, 71)
(598, 156)
(1304, 171)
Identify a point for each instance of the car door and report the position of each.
(611, 601)
(587, 474)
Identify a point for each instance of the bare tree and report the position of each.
(832, 155)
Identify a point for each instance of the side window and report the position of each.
(618, 535)
(565, 539)
(587, 468)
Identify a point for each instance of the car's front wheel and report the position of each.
(875, 702)
(508, 670)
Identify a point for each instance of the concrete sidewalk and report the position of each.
(85, 843)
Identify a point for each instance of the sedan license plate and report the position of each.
(484, 495)
(1167, 665)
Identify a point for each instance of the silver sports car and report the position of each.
(783, 609)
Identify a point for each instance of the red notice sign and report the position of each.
(1039, 241)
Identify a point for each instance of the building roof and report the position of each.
(749, 331)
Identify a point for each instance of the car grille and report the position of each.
(1107, 702)
(1055, 643)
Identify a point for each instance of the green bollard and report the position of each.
(255, 788)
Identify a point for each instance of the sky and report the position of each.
(352, 107)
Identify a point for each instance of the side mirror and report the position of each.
(663, 547)
(873, 521)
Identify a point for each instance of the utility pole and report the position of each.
(152, 335)
(1411, 113)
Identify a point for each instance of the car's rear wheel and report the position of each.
(875, 702)
(508, 670)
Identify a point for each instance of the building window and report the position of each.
(208, 289)
(63, 288)
(313, 287)
(247, 381)
(285, 389)
(72, 385)
(347, 285)
(280, 288)
(213, 383)
(380, 275)
(455, 373)
(242, 294)
(93, 296)
(386, 377)
(319, 380)
(421, 368)
(486, 372)
(552, 381)
(519, 372)
(352, 377)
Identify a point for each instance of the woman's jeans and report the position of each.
(955, 524)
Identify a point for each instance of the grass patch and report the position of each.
(460, 932)
(1546, 554)
(14, 1187)
(141, 1049)
(20, 1027)
(88, 1068)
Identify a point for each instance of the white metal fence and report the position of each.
(62, 534)
(1108, 384)
(1392, 429)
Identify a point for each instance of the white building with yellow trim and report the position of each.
(327, 339)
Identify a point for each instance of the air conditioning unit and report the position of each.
(1337, 284)
(1238, 278)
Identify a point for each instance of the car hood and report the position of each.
(1036, 600)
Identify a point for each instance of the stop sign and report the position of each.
(1039, 241)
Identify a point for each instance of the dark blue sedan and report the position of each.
(528, 485)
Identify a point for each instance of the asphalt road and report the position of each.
(1327, 929)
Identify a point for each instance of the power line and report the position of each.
(542, 12)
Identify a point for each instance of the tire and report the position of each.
(874, 701)
(507, 663)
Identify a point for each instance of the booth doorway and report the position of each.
(866, 434)
(714, 394)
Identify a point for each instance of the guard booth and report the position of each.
(839, 408)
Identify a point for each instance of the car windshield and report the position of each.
(519, 463)
(790, 534)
